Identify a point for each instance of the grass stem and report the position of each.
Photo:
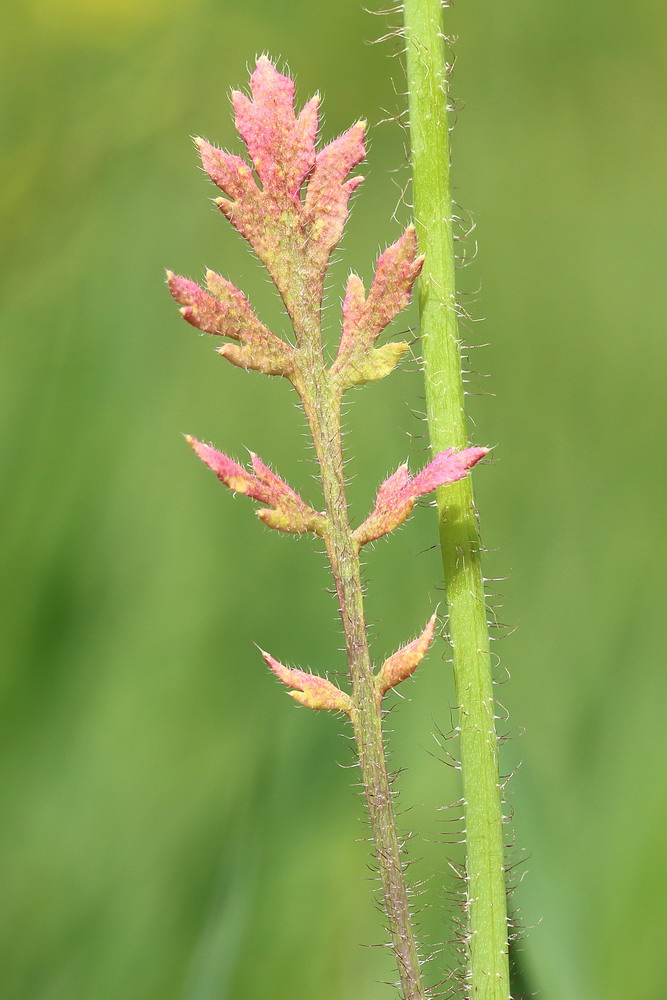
(487, 974)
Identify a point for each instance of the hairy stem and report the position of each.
(488, 970)
(322, 406)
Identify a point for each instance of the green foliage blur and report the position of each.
(173, 826)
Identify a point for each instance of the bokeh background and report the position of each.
(173, 827)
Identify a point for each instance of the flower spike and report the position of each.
(289, 513)
(309, 689)
(397, 495)
(290, 202)
(405, 661)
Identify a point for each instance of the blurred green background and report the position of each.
(172, 825)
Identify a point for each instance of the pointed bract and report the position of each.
(364, 319)
(396, 496)
(309, 689)
(229, 172)
(328, 193)
(199, 308)
(227, 470)
(446, 467)
(224, 311)
(395, 274)
(405, 661)
(289, 513)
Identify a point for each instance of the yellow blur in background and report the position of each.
(97, 21)
(173, 827)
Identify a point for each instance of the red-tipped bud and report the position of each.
(328, 193)
(364, 319)
(309, 689)
(225, 311)
(230, 173)
(396, 496)
(405, 661)
(289, 513)
(291, 229)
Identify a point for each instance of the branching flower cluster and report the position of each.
(291, 206)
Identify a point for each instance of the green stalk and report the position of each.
(487, 974)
